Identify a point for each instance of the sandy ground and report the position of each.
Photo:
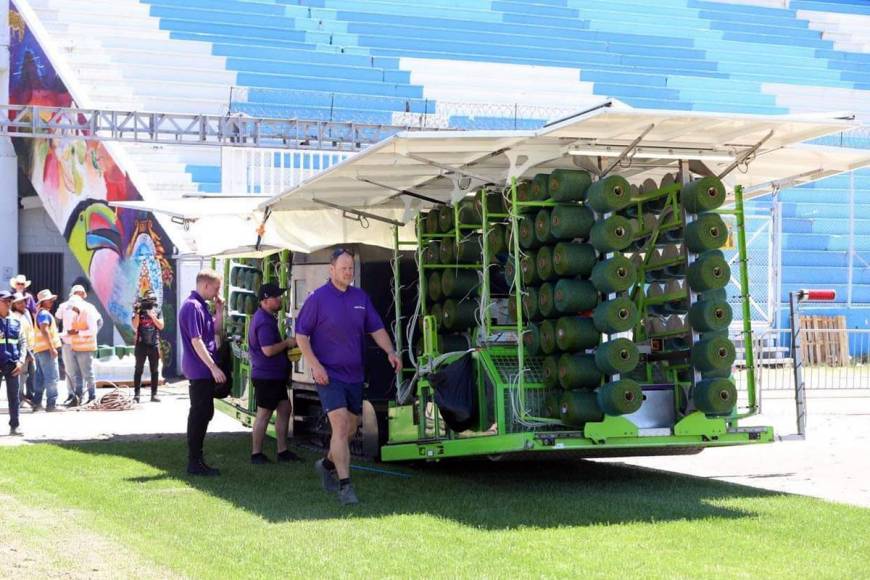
(833, 462)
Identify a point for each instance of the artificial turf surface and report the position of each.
(468, 519)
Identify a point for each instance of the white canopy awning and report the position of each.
(412, 170)
(213, 226)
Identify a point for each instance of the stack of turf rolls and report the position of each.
(453, 290)
(244, 282)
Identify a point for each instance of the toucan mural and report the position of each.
(123, 252)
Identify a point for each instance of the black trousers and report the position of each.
(11, 381)
(201, 412)
(152, 353)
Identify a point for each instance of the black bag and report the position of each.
(456, 393)
(224, 360)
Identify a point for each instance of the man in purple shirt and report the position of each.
(270, 373)
(199, 338)
(331, 331)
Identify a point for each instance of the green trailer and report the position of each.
(570, 291)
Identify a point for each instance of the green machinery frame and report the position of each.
(416, 431)
(276, 269)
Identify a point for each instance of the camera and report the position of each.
(144, 305)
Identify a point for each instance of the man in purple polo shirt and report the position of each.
(199, 338)
(270, 373)
(331, 331)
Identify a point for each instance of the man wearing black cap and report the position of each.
(13, 355)
(270, 373)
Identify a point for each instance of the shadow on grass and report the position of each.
(481, 494)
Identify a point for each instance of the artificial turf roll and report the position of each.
(707, 232)
(617, 315)
(569, 184)
(617, 356)
(580, 407)
(460, 314)
(574, 333)
(568, 222)
(614, 233)
(621, 397)
(579, 371)
(704, 194)
(609, 194)
(547, 329)
(574, 259)
(542, 226)
(544, 264)
(710, 315)
(457, 283)
(571, 296)
(445, 219)
(709, 272)
(715, 396)
(614, 274)
(434, 286)
(715, 353)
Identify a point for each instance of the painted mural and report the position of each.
(123, 252)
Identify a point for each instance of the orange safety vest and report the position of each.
(83, 343)
(42, 345)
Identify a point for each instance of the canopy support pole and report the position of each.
(359, 213)
(629, 148)
(745, 155)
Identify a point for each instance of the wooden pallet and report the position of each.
(825, 341)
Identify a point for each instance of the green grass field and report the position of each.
(501, 520)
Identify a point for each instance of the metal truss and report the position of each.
(37, 122)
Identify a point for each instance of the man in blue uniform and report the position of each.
(13, 355)
(330, 332)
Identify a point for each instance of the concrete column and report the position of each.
(8, 168)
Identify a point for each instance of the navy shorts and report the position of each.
(337, 395)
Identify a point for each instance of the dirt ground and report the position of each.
(832, 463)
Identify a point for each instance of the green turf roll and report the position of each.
(234, 277)
(512, 309)
(496, 239)
(532, 340)
(509, 270)
(611, 234)
(469, 212)
(718, 374)
(495, 202)
(234, 301)
(609, 194)
(434, 286)
(437, 312)
(453, 343)
(710, 315)
(578, 371)
(530, 304)
(445, 219)
(552, 404)
(614, 274)
(542, 226)
(538, 189)
(718, 294)
(551, 371)
(579, 407)
(459, 315)
(469, 250)
(571, 296)
(616, 315)
(529, 269)
(569, 184)
(713, 354)
(250, 304)
(459, 283)
(433, 223)
(448, 251)
(617, 356)
(545, 301)
(575, 333)
(432, 252)
(715, 396)
(621, 397)
(528, 239)
(571, 221)
(709, 272)
(705, 194)
(258, 280)
(544, 264)
(574, 259)
(548, 336)
(707, 232)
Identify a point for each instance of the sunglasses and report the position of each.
(338, 252)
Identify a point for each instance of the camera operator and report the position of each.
(147, 322)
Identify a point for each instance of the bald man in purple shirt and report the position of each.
(330, 332)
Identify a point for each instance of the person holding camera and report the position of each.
(147, 322)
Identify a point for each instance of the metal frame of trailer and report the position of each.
(509, 387)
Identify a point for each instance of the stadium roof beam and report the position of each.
(38, 122)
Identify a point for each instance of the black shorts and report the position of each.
(270, 392)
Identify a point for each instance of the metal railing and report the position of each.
(833, 359)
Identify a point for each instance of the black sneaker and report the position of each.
(15, 432)
(328, 479)
(347, 496)
(70, 403)
(200, 468)
(154, 399)
(90, 400)
(260, 459)
(52, 409)
(37, 407)
(288, 456)
(135, 398)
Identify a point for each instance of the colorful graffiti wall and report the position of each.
(123, 252)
